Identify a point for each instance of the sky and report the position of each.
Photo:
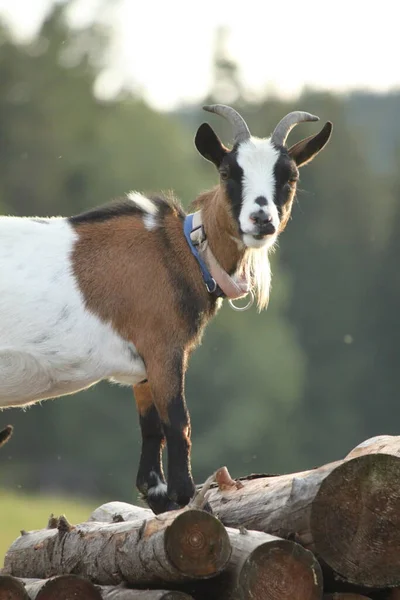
(165, 48)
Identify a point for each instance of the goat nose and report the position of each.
(260, 217)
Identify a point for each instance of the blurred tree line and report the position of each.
(288, 389)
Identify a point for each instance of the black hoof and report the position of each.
(160, 504)
(154, 493)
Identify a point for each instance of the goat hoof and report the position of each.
(158, 504)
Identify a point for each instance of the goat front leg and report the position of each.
(166, 377)
(150, 479)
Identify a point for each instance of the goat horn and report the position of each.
(240, 129)
(286, 125)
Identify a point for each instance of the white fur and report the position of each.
(251, 242)
(150, 222)
(50, 344)
(142, 202)
(257, 158)
(157, 490)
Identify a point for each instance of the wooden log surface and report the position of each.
(265, 567)
(344, 596)
(261, 566)
(120, 593)
(12, 589)
(72, 587)
(62, 587)
(172, 547)
(117, 512)
(384, 444)
(346, 512)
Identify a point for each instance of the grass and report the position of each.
(19, 511)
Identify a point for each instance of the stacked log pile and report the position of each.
(332, 532)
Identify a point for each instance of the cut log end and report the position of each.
(355, 520)
(197, 544)
(12, 589)
(281, 571)
(66, 587)
(345, 596)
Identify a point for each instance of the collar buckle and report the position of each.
(198, 235)
(211, 286)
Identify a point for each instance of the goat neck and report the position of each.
(221, 231)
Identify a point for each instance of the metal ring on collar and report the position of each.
(247, 306)
(211, 288)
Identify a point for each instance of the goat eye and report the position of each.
(224, 173)
(293, 181)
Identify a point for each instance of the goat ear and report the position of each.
(209, 145)
(306, 150)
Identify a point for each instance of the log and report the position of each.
(117, 512)
(265, 567)
(62, 587)
(119, 593)
(346, 512)
(68, 587)
(344, 596)
(384, 444)
(261, 566)
(12, 589)
(176, 546)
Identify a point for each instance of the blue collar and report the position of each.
(211, 284)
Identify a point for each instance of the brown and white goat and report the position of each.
(124, 292)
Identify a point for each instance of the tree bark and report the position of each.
(384, 444)
(12, 589)
(62, 587)
(172, 547)
(344, 596)
(117, 593)
(265, 567)
(66, 587)
(261, 566)
(117, 512)
(346, 512)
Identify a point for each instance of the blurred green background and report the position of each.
(296, 386)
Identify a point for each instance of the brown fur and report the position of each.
(222, 230)
(287, 211)
(122, 270)
(143, 397)
(149, 286)
(226, 244)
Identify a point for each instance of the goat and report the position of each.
(123, 292)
